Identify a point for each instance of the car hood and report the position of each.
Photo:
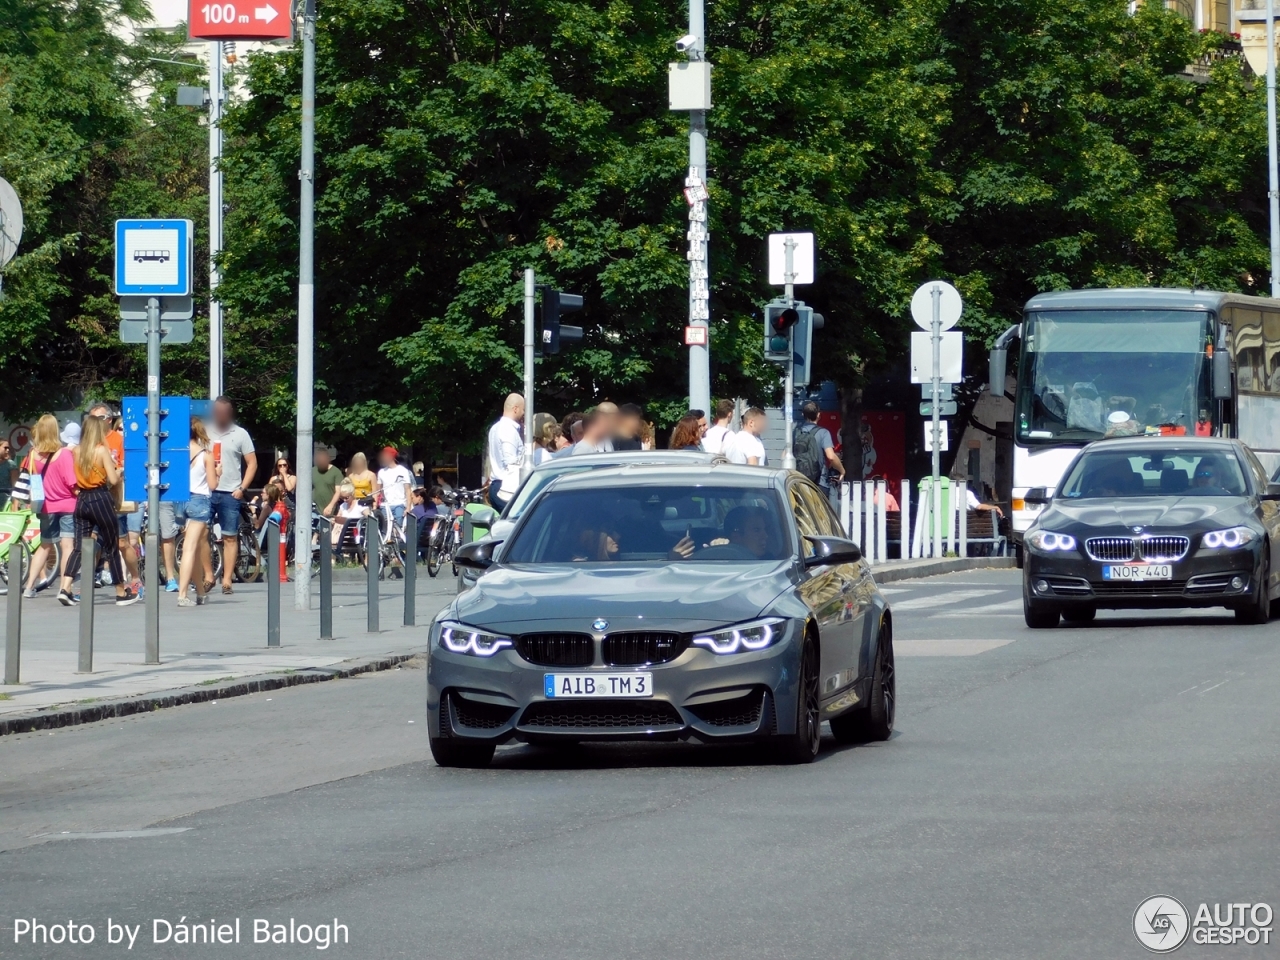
(668, 596)
(1182, 514)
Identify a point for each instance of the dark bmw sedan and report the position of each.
(711, 602)
(1155, 522)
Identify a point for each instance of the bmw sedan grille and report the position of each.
(557, 649)
(1157, 549)
(635, 649)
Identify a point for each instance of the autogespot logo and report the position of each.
(1161, 924)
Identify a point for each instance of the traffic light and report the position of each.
(554, 303)
(779, 319)
(802, 342)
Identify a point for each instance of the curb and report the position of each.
(915, 569)
(56, 717)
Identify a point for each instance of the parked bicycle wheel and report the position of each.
(435, 550)
(248, 558)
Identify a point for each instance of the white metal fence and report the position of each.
(864, 515)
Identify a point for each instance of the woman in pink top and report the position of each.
(56, 465)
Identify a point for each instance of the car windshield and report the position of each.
(652, 524)
(1162, 472)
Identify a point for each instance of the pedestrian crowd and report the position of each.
(610, 427)
(71, 480)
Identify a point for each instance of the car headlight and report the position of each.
(460, 638)
(742, 638)
(1048, 541)
(1230, 538)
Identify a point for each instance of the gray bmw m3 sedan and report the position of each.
(711, 602)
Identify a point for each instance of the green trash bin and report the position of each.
(944, 484)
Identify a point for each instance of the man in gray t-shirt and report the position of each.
(233, 448)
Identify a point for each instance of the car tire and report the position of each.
(1259, 611)
(1038, 614)
(461, 752)
(874, 721)
(1079, 614)
(802, 745)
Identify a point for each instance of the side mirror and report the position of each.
(830, 551)
(999, 366)
(1273, 492)
(1039, 495)
(477, 555)
(1221, 374)
(483, 517)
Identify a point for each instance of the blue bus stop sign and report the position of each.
(153, 258)
(175, 437)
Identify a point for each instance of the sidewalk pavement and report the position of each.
(207, 646)
(893, 570)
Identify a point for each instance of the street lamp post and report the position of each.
(1254, 36)
(306, 313)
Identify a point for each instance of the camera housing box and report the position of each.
(689, 85)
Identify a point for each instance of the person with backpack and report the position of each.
(815, 453)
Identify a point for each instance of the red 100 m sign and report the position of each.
(239, 20)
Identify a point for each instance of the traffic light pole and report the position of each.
(788, 454)
(152, 543)
(215, 217)
(530, 291)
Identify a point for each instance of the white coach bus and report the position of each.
(1104, 363)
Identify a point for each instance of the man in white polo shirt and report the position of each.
(506, 448)
(745, 446)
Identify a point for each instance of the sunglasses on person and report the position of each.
(283, 463)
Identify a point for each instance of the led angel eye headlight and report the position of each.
(742, 638)
(1230, 538)
(1048, 541)
(459, 638)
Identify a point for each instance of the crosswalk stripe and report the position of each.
(943, 599)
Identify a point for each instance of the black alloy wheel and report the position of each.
(451, 751)
(1038, 614)
(874, 721)
(1259, 611)
(802, 745)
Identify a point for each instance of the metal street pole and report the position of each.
(699, 275)
(936, 483)
(215, 217)
(789, 291)
(1273, 177)
(306, 313)
(152, 547)
(530, 291)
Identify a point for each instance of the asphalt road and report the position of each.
(1039, 786)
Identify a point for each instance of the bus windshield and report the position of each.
(1088, 374)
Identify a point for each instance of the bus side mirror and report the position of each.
(999, 361)
(1221, 373)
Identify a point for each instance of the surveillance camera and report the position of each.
(686, 43)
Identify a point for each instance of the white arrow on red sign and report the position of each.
(265, 14)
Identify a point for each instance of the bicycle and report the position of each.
(446, 537)
(11, 525)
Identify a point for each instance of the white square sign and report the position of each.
(802, 256)
(951, 353)
(943, 435)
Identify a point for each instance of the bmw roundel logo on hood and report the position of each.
(599, 625)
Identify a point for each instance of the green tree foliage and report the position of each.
(460, 143)
(1084, 157)
(83, 144)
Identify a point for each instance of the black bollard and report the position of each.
(326, 580)
(410, 569)
(373, 559)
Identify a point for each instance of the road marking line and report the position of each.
(945, 648)
(939, 599)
